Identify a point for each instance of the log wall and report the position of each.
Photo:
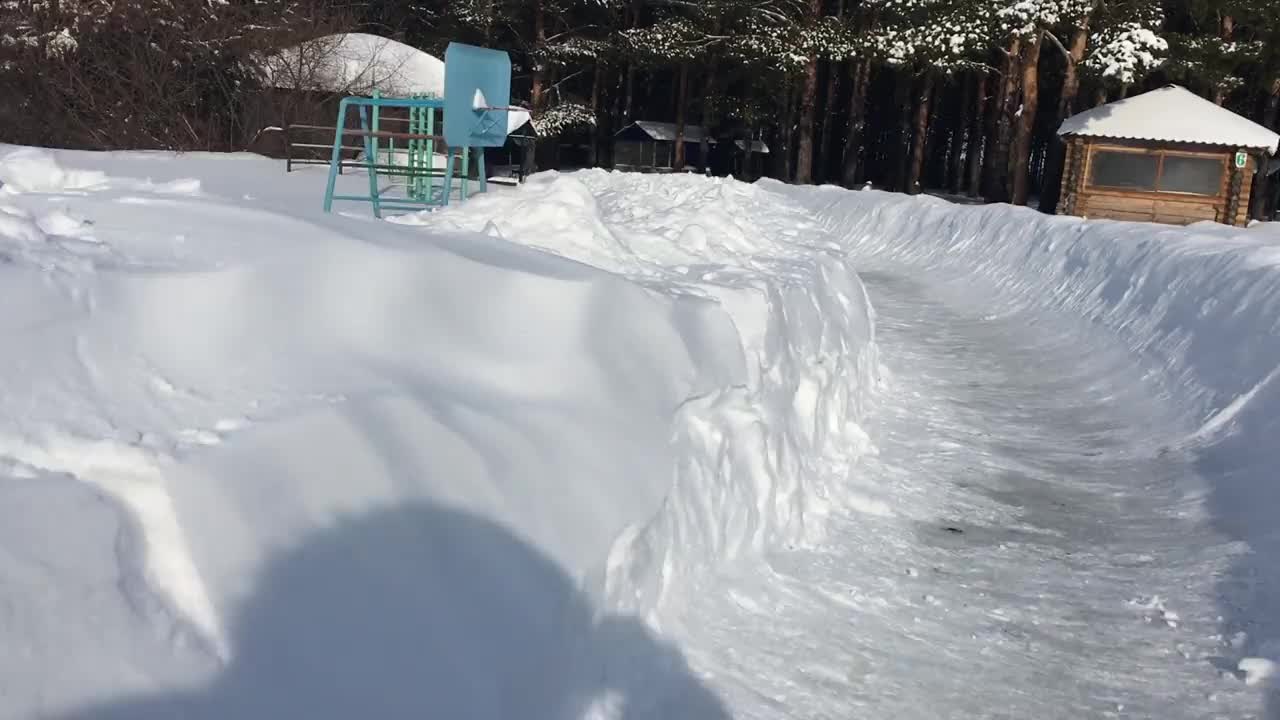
(1230, 205)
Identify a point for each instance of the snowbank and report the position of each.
(442, 467)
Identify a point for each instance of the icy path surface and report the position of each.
(1047, 573)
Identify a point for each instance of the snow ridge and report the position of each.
(754, 461)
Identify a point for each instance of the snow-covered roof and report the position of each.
(360, 62)
(757, 146)
(355, 62)
(666, 131)
(1171, 114)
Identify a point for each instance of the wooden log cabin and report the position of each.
(1166, 156)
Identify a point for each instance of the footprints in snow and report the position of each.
(209, 438)
(201, 437)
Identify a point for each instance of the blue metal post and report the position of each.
(377, 95)
(335, 160)
(369, 161)
(448, 176)
(412, 200)
(466, 171)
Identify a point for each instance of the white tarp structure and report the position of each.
(353, 62)
(1171, 114)
(359, 63)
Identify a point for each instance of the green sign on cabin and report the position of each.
(1241, 159)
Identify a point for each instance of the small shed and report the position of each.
(649, 146)
(1167, 156)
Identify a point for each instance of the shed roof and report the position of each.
(1171, 114)
(666, 132)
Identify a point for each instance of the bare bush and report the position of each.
(163, 74)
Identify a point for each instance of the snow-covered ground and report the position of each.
(613, 445)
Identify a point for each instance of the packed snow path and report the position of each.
(1055, 578)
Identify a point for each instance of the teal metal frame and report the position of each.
(422, 141)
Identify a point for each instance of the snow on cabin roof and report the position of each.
(1171, 114)
(757, 146)
(667, 131)
(356, 62)
(692, 134)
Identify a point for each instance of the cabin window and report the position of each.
(1156, 172)
(1197, 175)
(1131, 171)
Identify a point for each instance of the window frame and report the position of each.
(1160, 156)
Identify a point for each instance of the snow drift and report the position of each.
(436, 465)
(753, 459)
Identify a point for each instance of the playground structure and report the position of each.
(442, 138)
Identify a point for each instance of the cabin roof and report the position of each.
(1171, 114)
(666, 132)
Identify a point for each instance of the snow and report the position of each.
(1258, 670)
(271, 400)
(616, 445)
(1171, 114)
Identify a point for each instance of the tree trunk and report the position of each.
(1027, 121)
(974, 159)
(997, 166)
(629, 94)
(1056, 160)
(785, 133)
(1225, 32)
(823, 167)
(935, 161)
(829, 121)
(537, 92)
(808, 110)
(859, 75)
(956, 170)
(682, 92)
(902, 157)
(1261, 198)
(708, 120)
(596, 137)
(920, 133)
